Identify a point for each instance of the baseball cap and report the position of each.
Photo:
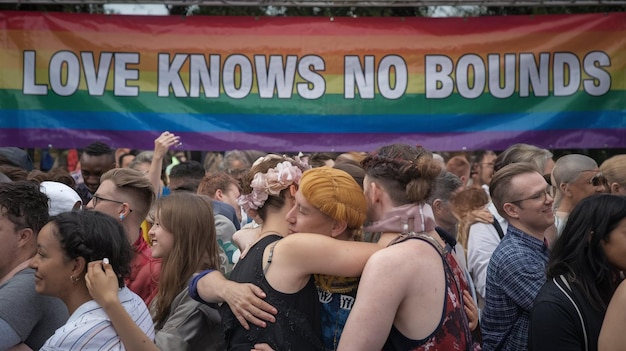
(62, 197)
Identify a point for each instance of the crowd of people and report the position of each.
(399, 248)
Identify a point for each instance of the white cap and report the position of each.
(62, 197)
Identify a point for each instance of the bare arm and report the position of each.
(612, 337)
(103, 286)
(244, 237)
(161, 145)
(403, 286)
(375, 308)
(319, 254)
(245, 300)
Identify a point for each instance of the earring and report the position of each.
(121, 216)
(74, 279)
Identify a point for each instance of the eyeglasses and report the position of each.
(97, 198)
(539, 196)
(598, 180)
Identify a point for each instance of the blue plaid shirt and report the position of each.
(516, 273)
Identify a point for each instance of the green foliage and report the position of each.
(302, 11)
(550, 10)
(76, 8)
(354, 11)
(218, 10)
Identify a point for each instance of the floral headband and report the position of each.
(271, 183)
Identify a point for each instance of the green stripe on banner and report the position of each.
(328, 105)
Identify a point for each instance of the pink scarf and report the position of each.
(405, 219)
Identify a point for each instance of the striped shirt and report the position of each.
(516, 273)
(89, 327)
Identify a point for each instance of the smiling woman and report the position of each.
(582, 275)
(64, 248)
(183, 235)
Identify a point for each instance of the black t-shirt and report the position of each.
(556, 325)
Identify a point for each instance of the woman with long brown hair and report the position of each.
(183, 235)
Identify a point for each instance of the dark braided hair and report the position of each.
(24, 205)
(94, 236)
(406, 172)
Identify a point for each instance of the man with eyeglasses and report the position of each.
(517, 267)
(126, 195)
(235, 163)
(574, 177)
(483, 238)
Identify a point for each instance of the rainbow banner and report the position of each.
(313, 84)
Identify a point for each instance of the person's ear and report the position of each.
(338, 228)
(511, 210)
(614, 188)
(25, 237)
(77, 205)
(565, 189)
(293, 189)
(125, 211)
(80, 267)
(437, 206)
(219, 195)
(375, 192)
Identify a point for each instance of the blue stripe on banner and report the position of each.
(244, 123)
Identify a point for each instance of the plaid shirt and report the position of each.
(515, 275)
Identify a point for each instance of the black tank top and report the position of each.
(297, 324)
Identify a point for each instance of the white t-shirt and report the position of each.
(481, 242)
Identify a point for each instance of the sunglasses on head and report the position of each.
(598, 180)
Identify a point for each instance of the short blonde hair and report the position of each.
(614, 170)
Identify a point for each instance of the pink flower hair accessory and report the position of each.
(271, 183)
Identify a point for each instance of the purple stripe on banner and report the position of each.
(294, 142)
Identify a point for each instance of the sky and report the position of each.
(137, 9)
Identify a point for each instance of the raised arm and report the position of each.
(161, 145)
(103, 286)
